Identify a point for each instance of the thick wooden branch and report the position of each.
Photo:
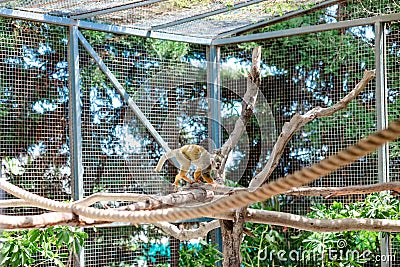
(187, 234)
(253, 215)
(329, 192)
(194, 195)
(97, 197)
(46, 220)
(316, 225)
(248, 104)
(298, 121)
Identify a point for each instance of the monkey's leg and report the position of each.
(179, 176)
(207, 177)
(197, 175)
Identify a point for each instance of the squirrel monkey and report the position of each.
(188, 154)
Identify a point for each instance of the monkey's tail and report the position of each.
(161, 162)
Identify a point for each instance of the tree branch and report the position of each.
(46, 220)
(298, 121)
(187, 234)
(252, 215)
(248, 104)
(329, 192)
(317, 225)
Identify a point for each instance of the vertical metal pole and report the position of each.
(214, 110)
(382, 120)
(214, 96)
(75, 134)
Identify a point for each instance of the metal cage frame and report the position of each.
(76, 22)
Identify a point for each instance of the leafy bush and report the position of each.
(38, 246)
(199, 255)
(350, 248)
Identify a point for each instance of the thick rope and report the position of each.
(241, 199)
(37, 201)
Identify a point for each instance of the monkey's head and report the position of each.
(215, 161)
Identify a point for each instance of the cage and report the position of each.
(93, 92)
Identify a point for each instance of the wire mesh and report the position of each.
(299, 74)
(64, 7)
(393, 100)
(131, 246)
(184, 16)
(170, 88)
(296, 81)
(393, 93)
(119, 153)
(145, 17)
(33, 108)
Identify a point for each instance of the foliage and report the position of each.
(38, 246)
(199, 255)
(167, 49)
(268, 239)
(271, 245)
(351, 243)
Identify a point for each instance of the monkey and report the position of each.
(205, 162)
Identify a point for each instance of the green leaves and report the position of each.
(21, 248)
(199, 255)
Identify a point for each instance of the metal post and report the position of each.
(382, 121)
(75, 134)
(214, 110)
(214, 96)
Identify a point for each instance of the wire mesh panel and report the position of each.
(119, 151)
(299, 78)
(393, 67)
(302, 73)
(34, 143)
(393, 95)
(131, 246)
(64, 7)
(33, 108)
(167, 83)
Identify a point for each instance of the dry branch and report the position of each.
(298, 121)
(316, 225)
(46, 220)
(329, 192)
(194, 195)
(253, 215)
(187, 234)
(248, 104)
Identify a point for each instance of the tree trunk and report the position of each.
(232, 234)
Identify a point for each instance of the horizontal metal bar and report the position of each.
(275, 20)
(295, 31)
(121, 90)
(10, 13)
(83, 15)
(207, 14)
(389, 17)
(143, 33)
